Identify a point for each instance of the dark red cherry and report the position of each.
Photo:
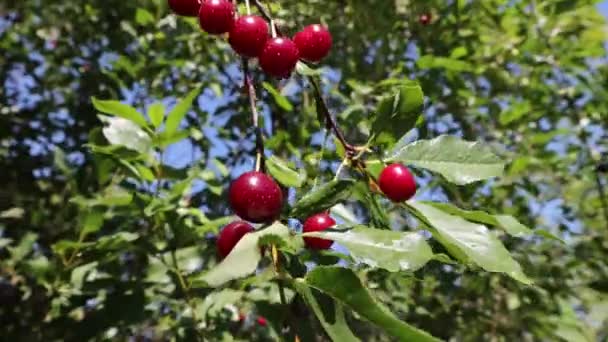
(425, 18)
(187, 8)
(313, 42)
(317, 223)
(397, 183)
(216, 16)
(256, 197)
(231, 235)
(279, 57)
(248, 35)
(262, 321)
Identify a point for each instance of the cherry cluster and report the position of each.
(251, 37)
(254, 196)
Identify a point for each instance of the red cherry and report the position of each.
(313, 42)
(216, 16)
(187, 8)
(397, 183)
(279, 57)
(262, 321)
(317, 223)
(248, 35)
(230, 236)
(256, 197)
(425, 18)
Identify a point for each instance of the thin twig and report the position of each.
(329, 119)
(267, 15)
(260, 164)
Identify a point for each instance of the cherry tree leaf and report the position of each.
(283, 173)
(469, 242)
(506, 222)
(123, 132)
(345, 287)
(121, 110)
(390, 250)
(323, 197)
(243, 259)
(335, 325)
(177, 114)
(460, 162)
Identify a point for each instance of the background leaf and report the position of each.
(175, 116)
(283, 173)
(120, 110)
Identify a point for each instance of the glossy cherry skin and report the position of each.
(231, 235)
(187, 8)
(425, 18)
(279, 57)
(397, 183)
(216, 16)
(313, 42)
(256, 197)
(249, 35)
(261, 321)
(317, 223)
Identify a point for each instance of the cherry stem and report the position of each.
(322, 105)
(268, 16)
(260, 164)
(330, 121)
(248, 7)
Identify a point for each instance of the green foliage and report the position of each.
(110, 209)
(392, 251)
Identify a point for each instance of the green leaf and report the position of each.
(514, 112)
(398, 114)
(386, 249)
(125, 133)
(92, 222)
(343, 285)
(305, 70)
(12, 213)
(118, 241)
(243, 260)
(80, 273)
(507, 222)
(335, 325)
(143, 17)
(460, 162)
(23, 248)
(156, 113)
(323, 197)
(283, 174)
(472, 241)
(120, 110)
(280, 100)
(164, 139)
(432, 62)
(178, 112)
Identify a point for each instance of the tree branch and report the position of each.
(329, 119)
(260, 164)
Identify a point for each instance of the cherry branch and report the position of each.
(260, 164)
(349, 149)
(330, 121)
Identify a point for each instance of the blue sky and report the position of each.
(604, 7)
